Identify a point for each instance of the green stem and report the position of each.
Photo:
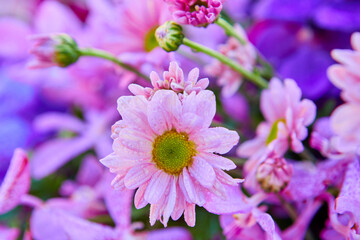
(258, 80)
(229, 30)
(92, 52)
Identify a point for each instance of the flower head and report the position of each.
(54, 50)
(165, 148)
(243, 54)
(274, 174)
(286, 119)
(172, 80)
(198, 13)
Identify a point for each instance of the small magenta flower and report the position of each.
(274, 174)
(172, 80)
(198, 13)
(54, 50)
(166, 148)
(169, 36)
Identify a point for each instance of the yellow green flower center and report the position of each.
(274, 131)
(172, 151)
(150, 40)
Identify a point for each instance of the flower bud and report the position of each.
(54, 50)
(274, 174)
(169, 36)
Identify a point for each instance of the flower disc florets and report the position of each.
(172, 151)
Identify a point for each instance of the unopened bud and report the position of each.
(169, 36)
(274, 174)
(54, 50)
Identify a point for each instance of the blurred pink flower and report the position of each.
(346, 75)
(165, 148)
(130, 33)
(198, 13)
(243, 54)
(255, 224)
(172, 80)
(93, 132)
(16, 183)
(286, 119)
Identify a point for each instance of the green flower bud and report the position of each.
(169, 36)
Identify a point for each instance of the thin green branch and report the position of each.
(258, 80)
(92, 52)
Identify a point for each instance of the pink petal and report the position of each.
(90, 171)
(218, 139)
(138, 175)
(54, 17)
(119, 204)
(139, 200)
(187, 186)
(51, 121)
(173, 233)
(61, 225)
(202, 104)
(133, 109)
(53, 154)
(13, 32)
(189, 214)
(202, 172)
(235, 202)
(116, 163)
(157, 186)
(170, 203)
(9, 233)
(16, 182)
(218, 161)
(164, 111)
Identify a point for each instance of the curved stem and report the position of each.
(229, 30)
(258, 80)
(92, 52)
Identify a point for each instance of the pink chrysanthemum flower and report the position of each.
(243, 54)
(172, 80)
(165, 148)
(198, 13)
(286, 119)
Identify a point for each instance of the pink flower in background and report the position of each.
(198, 13)
(346, 75)
(172, 80)
(16, 182)
(286, 119)
(165, 148)
(83, 135)
(243, 54)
